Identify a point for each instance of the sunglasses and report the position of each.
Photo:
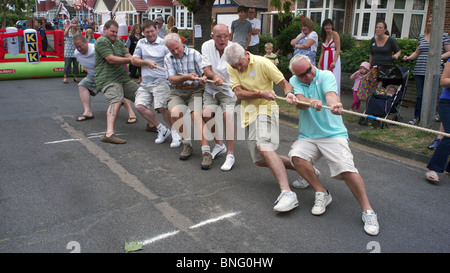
(306, 72)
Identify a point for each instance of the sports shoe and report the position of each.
(434, 144)
(321, 201)
(371, 226)
(286, 201)
(218, 150)
(301, 183)
(176, 140)
(113, 139)
(187, 151)
(206, 161)
(163, 133)
(229, 162)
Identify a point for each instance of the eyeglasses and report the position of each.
(306, 72)
(251, 12)
(221, 36)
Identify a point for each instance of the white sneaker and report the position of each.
(176, 140)
(371, 226)
(163, 133)
(301, 183)
(218, 150)
(229, 162)
(321, 201)
(286, 201)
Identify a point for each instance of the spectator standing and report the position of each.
(307, 41)
(383, 48)
(331, 49)
(421, 54)
(161, 29)
(253, 47)
(241, 29)
(69, 48)
(133, 38)
(439, 162)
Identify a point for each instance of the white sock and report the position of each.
(206, 149)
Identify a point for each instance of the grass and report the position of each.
(407, 138)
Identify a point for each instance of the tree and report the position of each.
(202, 11)
(20, 7)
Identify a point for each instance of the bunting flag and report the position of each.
(64, 11)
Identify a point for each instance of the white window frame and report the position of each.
(183, 18)
(389, 11)
(154, 12)
(326, 11)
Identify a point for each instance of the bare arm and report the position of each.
(445, 79)
(116, 60)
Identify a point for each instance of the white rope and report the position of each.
(381, 119)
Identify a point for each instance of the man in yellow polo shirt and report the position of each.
(252, 79)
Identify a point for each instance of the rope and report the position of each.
(381, 119)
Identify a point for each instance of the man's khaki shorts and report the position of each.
(263, 133)
(115, 92)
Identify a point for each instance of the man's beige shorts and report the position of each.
(225, 102)
(115, 92)
(152, 93)
(192, 98)
(335, 150)
(263, 133)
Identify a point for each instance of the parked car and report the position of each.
(19, 24)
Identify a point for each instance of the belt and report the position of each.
(187, 86)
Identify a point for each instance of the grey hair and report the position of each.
(172, 36)
(296, 59)
(233, 52)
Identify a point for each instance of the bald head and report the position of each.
(220, 36)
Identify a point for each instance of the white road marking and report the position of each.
(213, 220)
(159, 237)
(91, 135)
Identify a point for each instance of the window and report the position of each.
(319, 10)
(183, 18)
(156, 11)
(404, 18)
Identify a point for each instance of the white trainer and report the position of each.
(321, 202)
(229, 162)
(286, 201)
(218, 150)
(176, 140)
(370, 220)
(163, 133)
(301, 183)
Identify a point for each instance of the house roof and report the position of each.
(259, 4)
(160, 3)
(139, 5)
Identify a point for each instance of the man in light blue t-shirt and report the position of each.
(323, 134)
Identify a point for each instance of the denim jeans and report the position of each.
(420, 81)
(439, 160)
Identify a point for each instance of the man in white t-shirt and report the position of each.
(85, 54)
(253, 47)
(219, 93)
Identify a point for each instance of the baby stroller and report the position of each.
(382, 104)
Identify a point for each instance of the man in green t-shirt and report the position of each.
(111, 76)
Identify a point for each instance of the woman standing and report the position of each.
(382, 46)
(69, 49)
(90, 36)
(170, 23)
(421, 54)
(331, 49)
(306, 42)
(135, 36)
(439, 161)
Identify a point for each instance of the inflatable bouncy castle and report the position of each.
(21, 54)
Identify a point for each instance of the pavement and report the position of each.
(406, 114)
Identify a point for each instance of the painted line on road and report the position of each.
(203, 223)
(91, 135)
(213, 220)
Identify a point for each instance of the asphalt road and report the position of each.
(63, 190)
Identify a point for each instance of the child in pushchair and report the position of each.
(383, 89)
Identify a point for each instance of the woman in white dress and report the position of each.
(331, 48)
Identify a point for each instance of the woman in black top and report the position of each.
(382, 46)
(135, 36)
